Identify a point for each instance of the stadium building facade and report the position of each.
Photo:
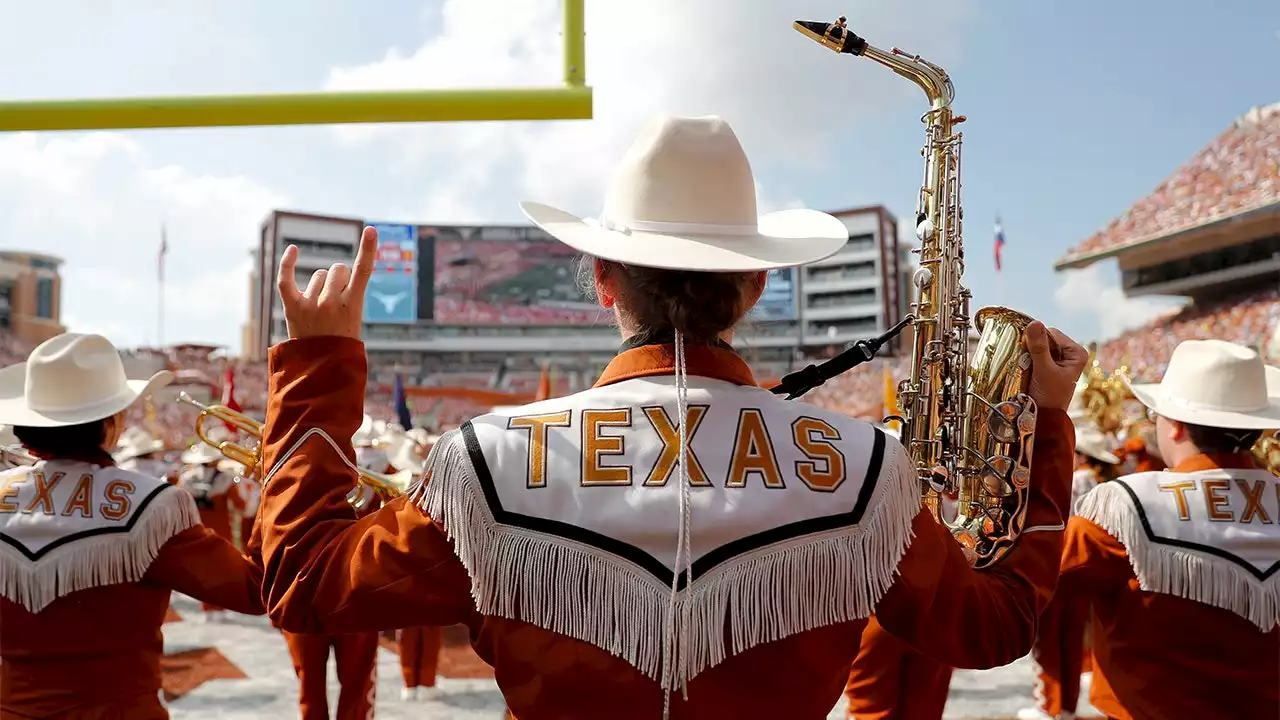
(30, 295)
(488, 306)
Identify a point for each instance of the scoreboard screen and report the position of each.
(392, 295)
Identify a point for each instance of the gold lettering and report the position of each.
(9, 490)
(1179, 490)
(819, 448)
(81, 497)
(596, 446)
(1214, 503)
(1253, 501)
(44, 488)
(537, 427)
(118, 495)
(669, 434)
(753, 452)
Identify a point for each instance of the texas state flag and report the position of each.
(999, 242)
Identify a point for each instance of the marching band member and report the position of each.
(1140, 452)
(1059, 654)
(355, 654)
(211, 480)
(1180, 564)
(140, 451)
(889, 679)
(90, 552)
(674, 534)
(419, 646)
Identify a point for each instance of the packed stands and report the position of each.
(522, 283)
(1239, 171)
(1247, 319)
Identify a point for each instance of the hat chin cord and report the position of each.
(676, 658)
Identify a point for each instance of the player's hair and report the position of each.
(68, 441)
(702, 305)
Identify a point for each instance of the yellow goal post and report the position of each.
(571, 101)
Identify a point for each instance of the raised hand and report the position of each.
(333, 303)
(1056, 364)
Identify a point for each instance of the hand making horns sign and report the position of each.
(333, 303)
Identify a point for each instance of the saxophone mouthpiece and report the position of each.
(834, 36)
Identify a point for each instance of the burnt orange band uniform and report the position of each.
(1158, 656)
(890, 680)
(328, 573)
(95, 654)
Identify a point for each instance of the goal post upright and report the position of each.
(571, 101)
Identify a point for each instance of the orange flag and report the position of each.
(544, 385)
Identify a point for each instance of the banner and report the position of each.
(392, 295)
(779, 299)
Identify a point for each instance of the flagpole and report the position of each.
(164, 250)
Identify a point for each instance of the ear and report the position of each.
(756, 288)
(606, 290)
(1177, 431)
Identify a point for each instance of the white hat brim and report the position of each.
(200, 455)
(783, 239)
(131, 453)
(15, 411)
(1268, 418)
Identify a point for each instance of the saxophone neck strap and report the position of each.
(799, 383)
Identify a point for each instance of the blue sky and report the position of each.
(1075, 112)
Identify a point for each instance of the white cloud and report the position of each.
(789, 100)
(1091, 292)
(98, 200)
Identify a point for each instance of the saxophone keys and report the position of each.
(995, 479)
(1002, 421)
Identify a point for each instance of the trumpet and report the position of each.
(384, 486)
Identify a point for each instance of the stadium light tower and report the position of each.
(571, 101)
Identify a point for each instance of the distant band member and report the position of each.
(560, 532)
(354, 654)
(890, 680)
(419, 646)
(1180, 565)
(90, 553)
(214, 487)
(1059, 652)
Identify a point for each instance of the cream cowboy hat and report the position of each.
(70, 379)
(1091, 443)
(365, 434)
(136, 442)
(1216, 384)
(200, 454)
(684, 198)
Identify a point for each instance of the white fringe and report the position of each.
(97, 560)
(576, 590)
(1179, 571)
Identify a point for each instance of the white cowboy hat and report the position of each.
(371, 458)
(684, 198)
(1094, 444)
(7, 438)
(200, 454)
(70, 379)
(136, 442)
(365, 434)
(1216, 384)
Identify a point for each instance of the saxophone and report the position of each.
(967, 420)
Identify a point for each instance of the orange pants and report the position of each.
(420, 655)
(1059, 654)
(356, 657)
(889, 680)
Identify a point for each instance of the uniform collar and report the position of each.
(647, 358)
(1215, 461)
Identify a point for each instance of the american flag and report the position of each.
(999, 243)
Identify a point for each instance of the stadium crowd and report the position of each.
(1248, 319)
(1238, 171)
